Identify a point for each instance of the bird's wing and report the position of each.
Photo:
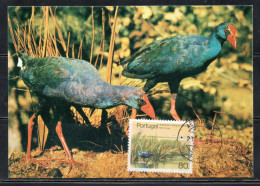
(60, 77)
(149, 60)
(40, 72)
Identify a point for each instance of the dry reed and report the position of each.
(111, 49)
(93, 34)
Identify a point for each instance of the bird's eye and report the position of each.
(141, 102)
(225, 30)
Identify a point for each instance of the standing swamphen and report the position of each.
(60, 82)
(145, 155)
(173, 59)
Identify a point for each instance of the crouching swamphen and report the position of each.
(60, 82)
(173, 59)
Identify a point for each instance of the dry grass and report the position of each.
(233, 161)
(47, 44)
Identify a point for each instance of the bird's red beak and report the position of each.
(232, 36)
(148, 108)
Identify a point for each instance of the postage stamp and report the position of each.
(160, 146)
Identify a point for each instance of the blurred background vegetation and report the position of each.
(90, 33)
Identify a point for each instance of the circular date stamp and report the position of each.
(197, 143)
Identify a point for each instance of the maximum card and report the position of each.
(160, 146)
(76, 77)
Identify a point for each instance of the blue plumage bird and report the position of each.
(60, 82)
(173, 59)
(145, 155)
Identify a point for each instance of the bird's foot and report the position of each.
(37, 161)
(206, 141)
(58, 161)
(71, 162)
(198, 142)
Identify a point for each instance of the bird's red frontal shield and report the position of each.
(232, 36)
(148, 108)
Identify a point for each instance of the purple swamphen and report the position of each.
(145, 155)
(60, 82)
(173, 59)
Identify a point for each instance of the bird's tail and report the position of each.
(22, 60)
(122, 63)
(136, 76)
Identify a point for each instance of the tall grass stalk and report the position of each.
(111, 49)
(102, 41)
(93, 34)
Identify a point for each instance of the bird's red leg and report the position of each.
(173, 110)
(65, 146)
(30, 129)
(133, 115)
(63, 142)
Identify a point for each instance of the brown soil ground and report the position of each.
(227, 159)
